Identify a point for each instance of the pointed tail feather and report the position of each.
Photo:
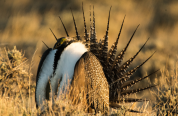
(132, 82)
(128, 92)
(113, 50)
(120, 31)
(91, 35)
(114, 46)
(125, 66)
(53, 34)
(78, 37)
(94, 46)
(64, 27)
(120, 56)
(105, 47)
(127, 75)
(45, 45)
(85, 27)
(104, 52)
(94, 31)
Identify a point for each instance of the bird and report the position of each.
(90, 67)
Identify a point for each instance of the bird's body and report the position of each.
(78, 67)
(86, 66)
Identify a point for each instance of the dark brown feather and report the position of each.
(120, 56)
(132, 82)
(77, 35)
(127, 75)
(113, 50)
(53, 34)
(86, 35)
(128, 92)
(64, 26)
(126, 65)
(105, 47)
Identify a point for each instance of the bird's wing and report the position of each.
(90, 79)
(41, 62)
(45, 70)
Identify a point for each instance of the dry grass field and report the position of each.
(25, 24)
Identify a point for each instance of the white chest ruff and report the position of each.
(66, 64)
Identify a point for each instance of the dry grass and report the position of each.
(167, 92)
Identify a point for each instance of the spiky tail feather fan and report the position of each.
(116, 73)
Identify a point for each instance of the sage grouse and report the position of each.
(90, 68)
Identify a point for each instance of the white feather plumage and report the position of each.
(66, 65)
(44, 74)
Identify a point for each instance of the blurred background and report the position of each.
(25, 24)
